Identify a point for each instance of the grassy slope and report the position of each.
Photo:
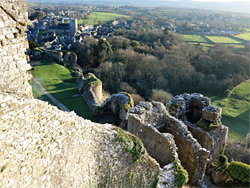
(236, 111)
(244, 36)
(104, 16)
(59, 82)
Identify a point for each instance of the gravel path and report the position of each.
(54, 100)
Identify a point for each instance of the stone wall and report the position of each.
(43, 146)
(203, 121)
(192, 155)
(160, 146)
(13, 65)
(41, 53)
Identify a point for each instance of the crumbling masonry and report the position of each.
(42, 146)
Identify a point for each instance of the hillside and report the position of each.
(236, 111)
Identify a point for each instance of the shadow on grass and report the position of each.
(65, 92)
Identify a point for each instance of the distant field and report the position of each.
(244, 36)
(222, 39)
(236, 111)
(204, 46)
(59, 82)
(194, 38)
(104, 16)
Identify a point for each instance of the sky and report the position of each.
(224, 5)
(221, 0)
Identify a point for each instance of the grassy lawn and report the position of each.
(244, 36)
(40, 34)
(104, 16)
(58, 81)
(236, 111)
(222, 39)
(194, 38)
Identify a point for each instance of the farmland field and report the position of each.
(194, 38)
(244, 36)
(104, 16)
(222, 39)
(204, 46)
(236, 111)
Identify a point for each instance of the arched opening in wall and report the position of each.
(194, 110)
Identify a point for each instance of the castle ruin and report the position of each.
(42, 146)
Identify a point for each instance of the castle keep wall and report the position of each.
(13, 65)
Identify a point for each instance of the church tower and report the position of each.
(73, 26)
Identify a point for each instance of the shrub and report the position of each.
(137, 98)
(236, 151)
(181, 175)
(161, 96)
(239, 172)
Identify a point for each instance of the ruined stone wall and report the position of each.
(43, 146)
(192, 155)
(161, 146)
(13, 65)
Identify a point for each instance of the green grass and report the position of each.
(40, 34)
(80, 22)
(244, 36)
(222, 39)
(194, 38)
(38, 94)
(104, 16)
(204, 46)
(236, 111)
(58, 81)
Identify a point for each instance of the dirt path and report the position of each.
(54, 100)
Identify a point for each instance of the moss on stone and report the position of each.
(129, 105)
(93, 81)
(207, 125)
(181, 175)
(131, 143)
